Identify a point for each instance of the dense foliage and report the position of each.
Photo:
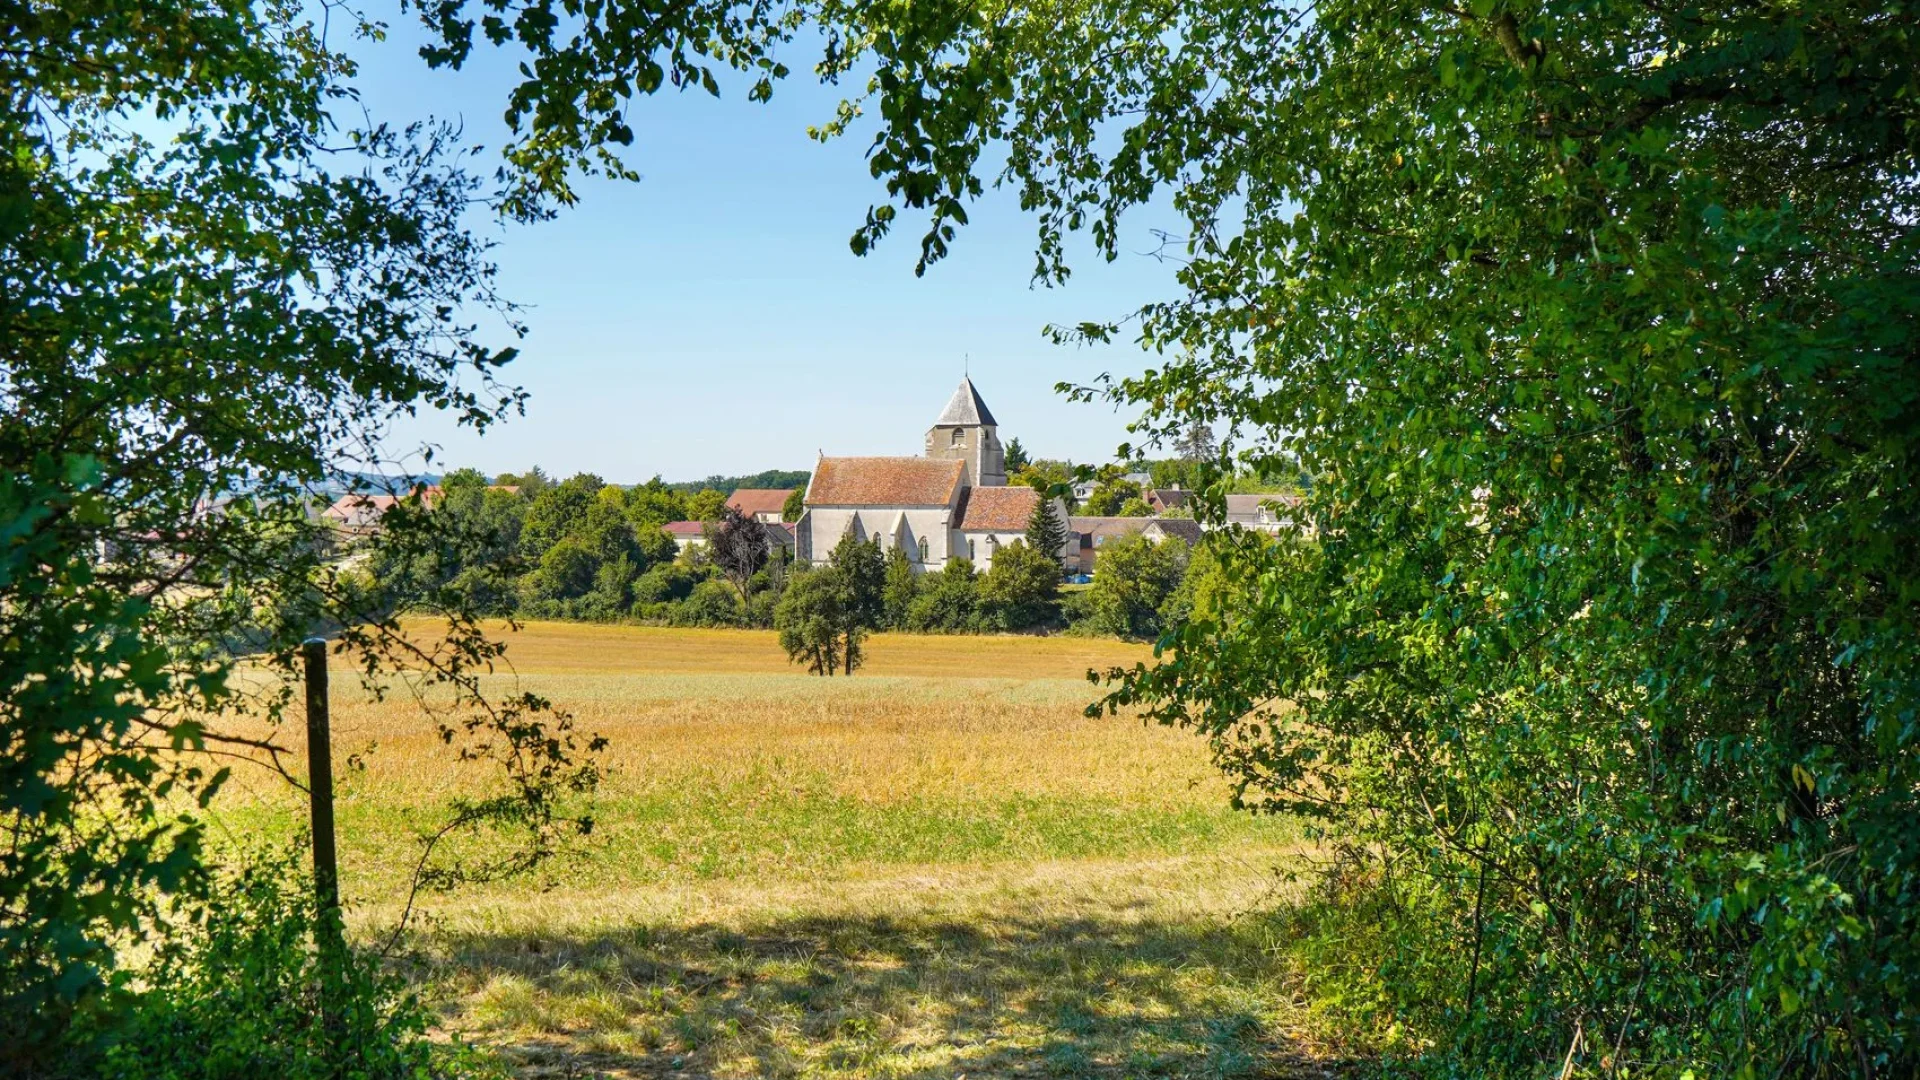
(1594, 325)
(219, 282)
(585, 549)
(193, 1019)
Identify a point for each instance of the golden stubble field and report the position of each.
(936, 868)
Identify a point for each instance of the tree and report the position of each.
(1052, 479)
(1021, 589)
(530, 483)
(221, 287)
(1197, 444)
(1170, 472)
(1135, 507)
(656, 545)
(816, 624)
(654, 504)
(865, 568)
(606, 531)
(1046, 533)
(566, 572)
(902, 587)
(1016, 456)
(1113, 493)
(795, 505)
(559, 511)
(949, 601)
(1132, 581)
(738, 545)
(467, 558)
(707, 504)
(1594, 324)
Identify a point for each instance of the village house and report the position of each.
(953, 502)
(358, 514)
(1269, 512)
(686, 534)
(760, 504)
(1087, 535)
(1166, 500)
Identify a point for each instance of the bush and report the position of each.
(760, 608)
(713, 602)
(235, 997)
(1021, 590)
(663, 584)
(900, 590)
(948, 602)
(1133, 580)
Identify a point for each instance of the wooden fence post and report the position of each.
(329, 935)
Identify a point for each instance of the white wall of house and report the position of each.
(981, 546)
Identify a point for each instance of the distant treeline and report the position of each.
(765, 478)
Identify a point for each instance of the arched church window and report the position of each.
(923, 549)
(972, 555)
(959, 437)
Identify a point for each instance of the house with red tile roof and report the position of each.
(686, 534)
(953, 502)
(761, 504)
(359, 513)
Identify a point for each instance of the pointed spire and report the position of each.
(967, 408)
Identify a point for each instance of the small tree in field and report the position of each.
(737, 544)
(816, 623)
(865, 568)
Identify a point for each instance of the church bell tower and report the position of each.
(966, 430)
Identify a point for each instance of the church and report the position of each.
(951, 503)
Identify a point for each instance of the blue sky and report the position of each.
(711, 319)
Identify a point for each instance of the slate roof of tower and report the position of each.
(885, 481)
(967, 408)
(997, 509)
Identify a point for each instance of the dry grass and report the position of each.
(938, 867)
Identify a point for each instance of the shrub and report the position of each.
(235, 997)
(948, 601)
(1133, 579)
(1021, 590)
(713, 602)
(664, 583)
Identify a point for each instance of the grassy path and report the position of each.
(1081, 968)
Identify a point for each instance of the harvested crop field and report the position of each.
(938, 867)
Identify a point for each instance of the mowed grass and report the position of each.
(936, 868)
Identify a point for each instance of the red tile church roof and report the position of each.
(998, 509)
(885, 481)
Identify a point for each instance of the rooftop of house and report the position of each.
(997, 509)
(1246, 506)
(366, 508)
(885, 481)
(685, 530)
(751, 501)
(1099, 530)
(1167, 498)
